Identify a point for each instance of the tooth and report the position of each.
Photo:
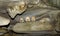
(45, 20)
(21, 20)
(4, 21)
(33, 18)
(27, 19)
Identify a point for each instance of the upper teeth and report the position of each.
(28, 19)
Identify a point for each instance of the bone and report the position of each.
(31, 26)
(16, 8)
(4, 21)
